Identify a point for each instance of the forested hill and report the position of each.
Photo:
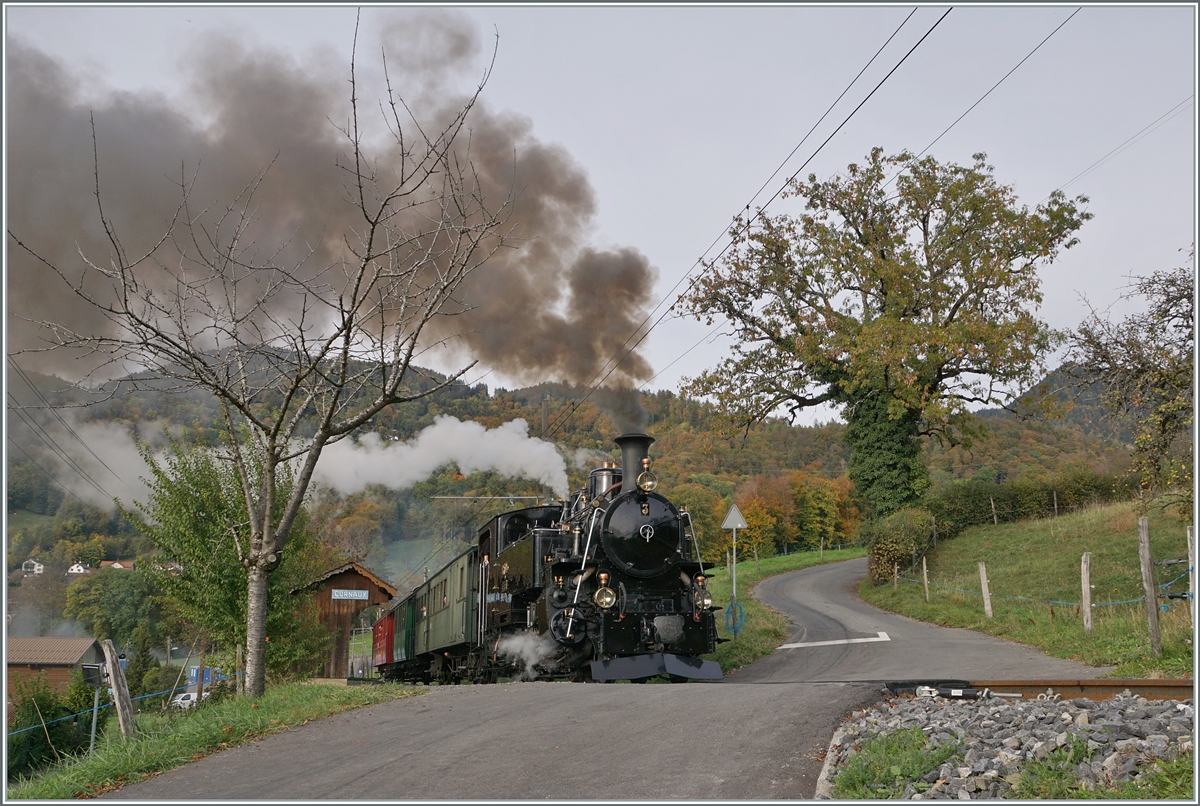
(689, 450)
(688, 442)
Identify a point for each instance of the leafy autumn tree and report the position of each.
(762, 525)
(774, 494)
(1146, 363)
(900, 305)
(112, 604)
(195, 519)
(816, 515)
(704, 504)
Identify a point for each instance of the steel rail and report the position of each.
(1097, 689)
(1091, 689)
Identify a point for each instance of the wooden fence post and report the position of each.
(1191, 537)
(1085, 575)
(116, 676)
(895, 576)
(1148, 584)
(1055, 494)
(987, 597)
(995, 520)
(925, 578)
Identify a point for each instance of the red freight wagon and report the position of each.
(381, 640)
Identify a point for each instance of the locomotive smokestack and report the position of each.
(634, 447)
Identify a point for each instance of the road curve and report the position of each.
(823, 608)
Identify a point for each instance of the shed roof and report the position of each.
(47, 651)
(385, 586)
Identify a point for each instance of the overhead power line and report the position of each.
(994, 86)
(57, 449)
(1148, 129)
(1162, 119)
(57, 416)
(49, 476)
(622, 352)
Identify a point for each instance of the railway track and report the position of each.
(1099, 689)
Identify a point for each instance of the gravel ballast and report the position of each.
(1123, 735)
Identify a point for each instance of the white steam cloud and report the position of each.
(507, 449)
(527, 650)
(587, 458)
(112, 468)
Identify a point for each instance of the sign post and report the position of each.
(733, 614)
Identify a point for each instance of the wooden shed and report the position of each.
(56, 658)
(341, 594)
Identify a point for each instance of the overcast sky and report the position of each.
(678, 115)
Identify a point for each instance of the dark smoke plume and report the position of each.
(552, 307)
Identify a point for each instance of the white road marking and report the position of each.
(882, 637)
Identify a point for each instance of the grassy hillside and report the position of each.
(1033, 570)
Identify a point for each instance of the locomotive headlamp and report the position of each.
(605, 598)
(647, 481)
(702, 598)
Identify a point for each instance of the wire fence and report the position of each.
(1184, 596)
(219, 678)
(994, 515)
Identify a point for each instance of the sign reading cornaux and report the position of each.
(342, 593)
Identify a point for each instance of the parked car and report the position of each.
(186, 699)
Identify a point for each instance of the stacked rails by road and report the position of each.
(606, 585)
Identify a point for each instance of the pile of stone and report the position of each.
(996, 736)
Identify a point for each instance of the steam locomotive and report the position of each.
(607, 586)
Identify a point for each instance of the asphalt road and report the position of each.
(824, 610)
(759, 734)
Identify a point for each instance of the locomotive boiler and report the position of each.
(607, 585)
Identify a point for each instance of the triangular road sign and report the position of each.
(734, 519)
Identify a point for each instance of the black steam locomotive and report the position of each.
(608, 585)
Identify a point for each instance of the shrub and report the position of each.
(969, 503)
(36, 739)
(894, 540)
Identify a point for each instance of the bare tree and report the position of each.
(299, 356)
(1147, 365)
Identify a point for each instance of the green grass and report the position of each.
(23, 519)
(1054, 779)
(172, 739)
(1040, 560)
(763, 629)
(887, 763)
